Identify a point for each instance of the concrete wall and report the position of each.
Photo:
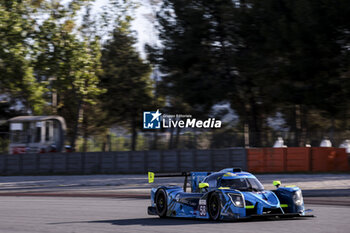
(124, 162)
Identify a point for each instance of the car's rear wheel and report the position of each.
(214, 207)
(161, 203)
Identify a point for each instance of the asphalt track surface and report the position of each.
(98, 215)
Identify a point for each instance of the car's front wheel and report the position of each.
(214, 207)
(161, 203)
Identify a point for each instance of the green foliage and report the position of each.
(126, 79)
(303, 42)
(53, 65)
(71, 64)
(195, 71)
(263, 57)
(16, 74)
(68, 60)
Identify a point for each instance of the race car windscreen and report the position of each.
(243, 184)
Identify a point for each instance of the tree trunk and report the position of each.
(106, 145)
(246, 135)
(85, 139)
(76, 126)
(254, 125)
(296, 125)
(245, 107)
(54, 102)
(155, 140)
(171, 139)
(109, 143)
(85, 130)
(303, 127)
(103, 149)
(299, 135)
(134, 134)
(263, 130)
(332, 129)
(194, 144)
(176, 144)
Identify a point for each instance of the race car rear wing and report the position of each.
(195, 178)
(151, 177)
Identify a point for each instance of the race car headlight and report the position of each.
(298, 198)
(236, 199)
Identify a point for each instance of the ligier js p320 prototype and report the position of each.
(225, 195)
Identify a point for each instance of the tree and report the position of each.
(261, 56)
(69, 64)
(193, 69)
(305, 43)
(17, 80)
(207, 58)
(127, 81)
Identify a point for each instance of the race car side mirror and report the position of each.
(276, 183)
(203, 185)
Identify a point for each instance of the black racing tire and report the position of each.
(161, 203)
(214, 207)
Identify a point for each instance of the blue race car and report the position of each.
(225, 195)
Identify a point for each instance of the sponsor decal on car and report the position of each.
(202, 207)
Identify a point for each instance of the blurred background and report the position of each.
(276, 72)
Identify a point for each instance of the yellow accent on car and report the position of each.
(150, 177)
(284, 205)
(276, 183)
(203, 185)
(229, 174)
(249, 207)
(224, 188)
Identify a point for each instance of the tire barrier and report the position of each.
(329, 159)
